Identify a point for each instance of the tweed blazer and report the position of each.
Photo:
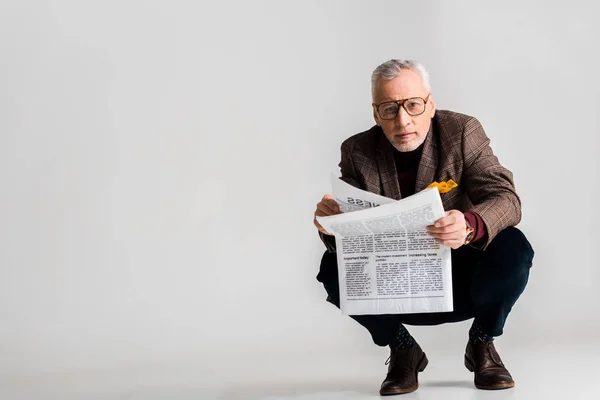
(457, 148)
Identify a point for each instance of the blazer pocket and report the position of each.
(450, 199)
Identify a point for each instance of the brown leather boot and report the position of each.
(404, 365)
(490, 372)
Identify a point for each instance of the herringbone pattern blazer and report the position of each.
(456, 148)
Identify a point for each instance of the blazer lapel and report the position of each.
(429, 162)
(387, 169)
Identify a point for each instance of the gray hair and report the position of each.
(391, 69)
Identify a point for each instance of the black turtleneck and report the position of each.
(407, 165)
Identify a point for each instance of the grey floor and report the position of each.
(542, 370)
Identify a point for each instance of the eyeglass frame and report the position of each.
(400, 103)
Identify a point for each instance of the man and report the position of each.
(411, 146)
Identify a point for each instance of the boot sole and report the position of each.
(421, 367)
(471, 367)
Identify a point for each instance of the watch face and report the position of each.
(470, 233)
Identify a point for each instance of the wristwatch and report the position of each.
(470, 234)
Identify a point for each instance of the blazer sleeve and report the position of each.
(346, 165)
(349, 176)
(490, 186)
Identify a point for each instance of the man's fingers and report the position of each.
(445, 221)
(448, 236)
(328, 205)
(331, 204)
(328, 208)
(322, 213)
(455, 228)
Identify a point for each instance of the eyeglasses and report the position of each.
(413, 107)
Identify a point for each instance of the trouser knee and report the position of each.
(328, 276)
(511, 250)
(503, 269)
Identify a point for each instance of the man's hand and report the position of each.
(326, 207)
(450, 230)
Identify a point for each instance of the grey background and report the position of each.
(161, 162)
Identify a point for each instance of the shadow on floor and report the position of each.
(448, 384)
(304, 390)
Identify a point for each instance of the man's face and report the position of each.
(405, 132)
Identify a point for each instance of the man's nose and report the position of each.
(403, 118)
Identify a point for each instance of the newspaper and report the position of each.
(387, 262)
(351, 199)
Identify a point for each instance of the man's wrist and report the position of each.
(476, 222)
(470, 233)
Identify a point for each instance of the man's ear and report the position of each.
(432, 111)
(375, 116)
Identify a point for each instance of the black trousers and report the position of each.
(486, 285)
